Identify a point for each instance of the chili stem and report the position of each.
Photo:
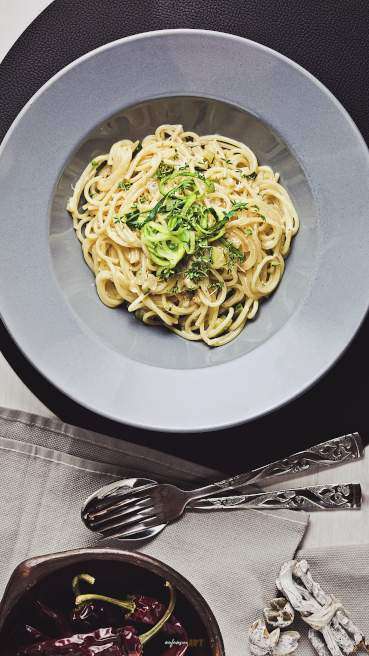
(127, 605)
(81, 577)
(155, 629)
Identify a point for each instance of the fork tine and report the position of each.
(127, 510)
(107, 500)
(132, 520)
(114, 507)
(130, 533)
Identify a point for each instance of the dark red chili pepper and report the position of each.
(177, 647)
(92, 611)
(28, 634)
(133, 642)
(178, 640)
(94, 614)
(148, 611)
(54, 622)
(33, 633)
(109, 642)
(45, 624)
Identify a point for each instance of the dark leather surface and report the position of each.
(327, 37)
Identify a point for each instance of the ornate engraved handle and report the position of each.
(334, 452)
(328, 454)
(317, 497)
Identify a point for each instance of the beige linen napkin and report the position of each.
(48, 468)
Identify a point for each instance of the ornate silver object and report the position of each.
(317, 497)
(279, 614)
(337, 451)
(331, 631)
(276, 643)
(143, 508)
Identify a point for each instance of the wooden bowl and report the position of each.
(49, 578)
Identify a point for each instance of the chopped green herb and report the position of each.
(216, 286)
(94, 163)
(251, 176)
(235, 208)
(262, 217)
(227, 161)
(200, 264)
(187, 227)
(117, 219)
(165, 274)
(163, 170)
(234, 254)
(248, 232)
(238, 309)
(186, 182)
(136, 219)
(124, 185)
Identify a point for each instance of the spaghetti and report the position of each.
(187, 230)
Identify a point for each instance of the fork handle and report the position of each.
(318, 497)
(328, 454)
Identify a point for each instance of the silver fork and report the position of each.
(141, 512)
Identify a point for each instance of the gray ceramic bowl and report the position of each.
(210, 82)
(48, 578)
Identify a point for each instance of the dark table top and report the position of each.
(329, 38)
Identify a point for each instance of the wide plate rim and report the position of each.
(205, 425)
